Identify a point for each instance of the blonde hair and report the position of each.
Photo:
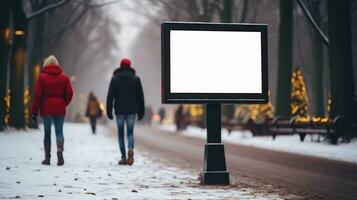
(50, 60)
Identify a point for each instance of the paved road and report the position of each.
(266, 170)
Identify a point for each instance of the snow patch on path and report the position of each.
(289, 143)
(91, 171)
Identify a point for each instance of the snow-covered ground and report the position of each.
(91, 171)
(344, 152)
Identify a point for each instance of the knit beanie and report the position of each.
(125, 62)
(50, 60)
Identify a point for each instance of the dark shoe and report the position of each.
(130, 157)
(122, 162)
(60, 159)
(47, 148)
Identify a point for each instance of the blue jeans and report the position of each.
(58, 122)
(130, 122)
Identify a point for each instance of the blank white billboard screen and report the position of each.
(215, 62)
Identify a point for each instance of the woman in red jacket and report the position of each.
(53, 92)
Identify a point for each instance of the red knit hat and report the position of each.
(125, 62)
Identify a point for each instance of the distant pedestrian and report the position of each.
(148, 115)
(93, 111)
(180, 118)
(53, 92)
(162, 114)
(125, 91)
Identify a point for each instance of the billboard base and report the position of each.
(214, 178)
(214, 169)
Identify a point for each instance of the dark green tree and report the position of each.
(340, 57)
(285, 59)
(4, 51)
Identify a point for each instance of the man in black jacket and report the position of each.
(126, 92)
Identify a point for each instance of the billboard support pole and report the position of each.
(214, 166)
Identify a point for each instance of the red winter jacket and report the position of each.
(53, 92)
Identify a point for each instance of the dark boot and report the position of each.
(60, 153)
(130, 160)
(47, 148)
(122, 162)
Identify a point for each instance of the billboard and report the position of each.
(214, 63)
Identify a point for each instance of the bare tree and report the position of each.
(28, 32)
(85, 45)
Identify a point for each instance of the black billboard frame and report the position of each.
(207, 98)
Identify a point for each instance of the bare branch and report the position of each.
(74, 10)
(313, 23)
(102, 4)
(244, 11)
(46, 9)
(143, 10)
(59, 34)
(86, 8)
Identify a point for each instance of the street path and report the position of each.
(91, 171)
(289, 174)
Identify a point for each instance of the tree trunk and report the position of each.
(226, 17)
(227, 11)
(340, 56)
(17, 66)
(318, 88)
(285, 59)
(17, 82)
(35, 55)
(4, 52)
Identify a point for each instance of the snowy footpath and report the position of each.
(91, 171)
(288, 143)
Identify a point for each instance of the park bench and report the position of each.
(194, 121)
(332, 129)
(233, 125)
